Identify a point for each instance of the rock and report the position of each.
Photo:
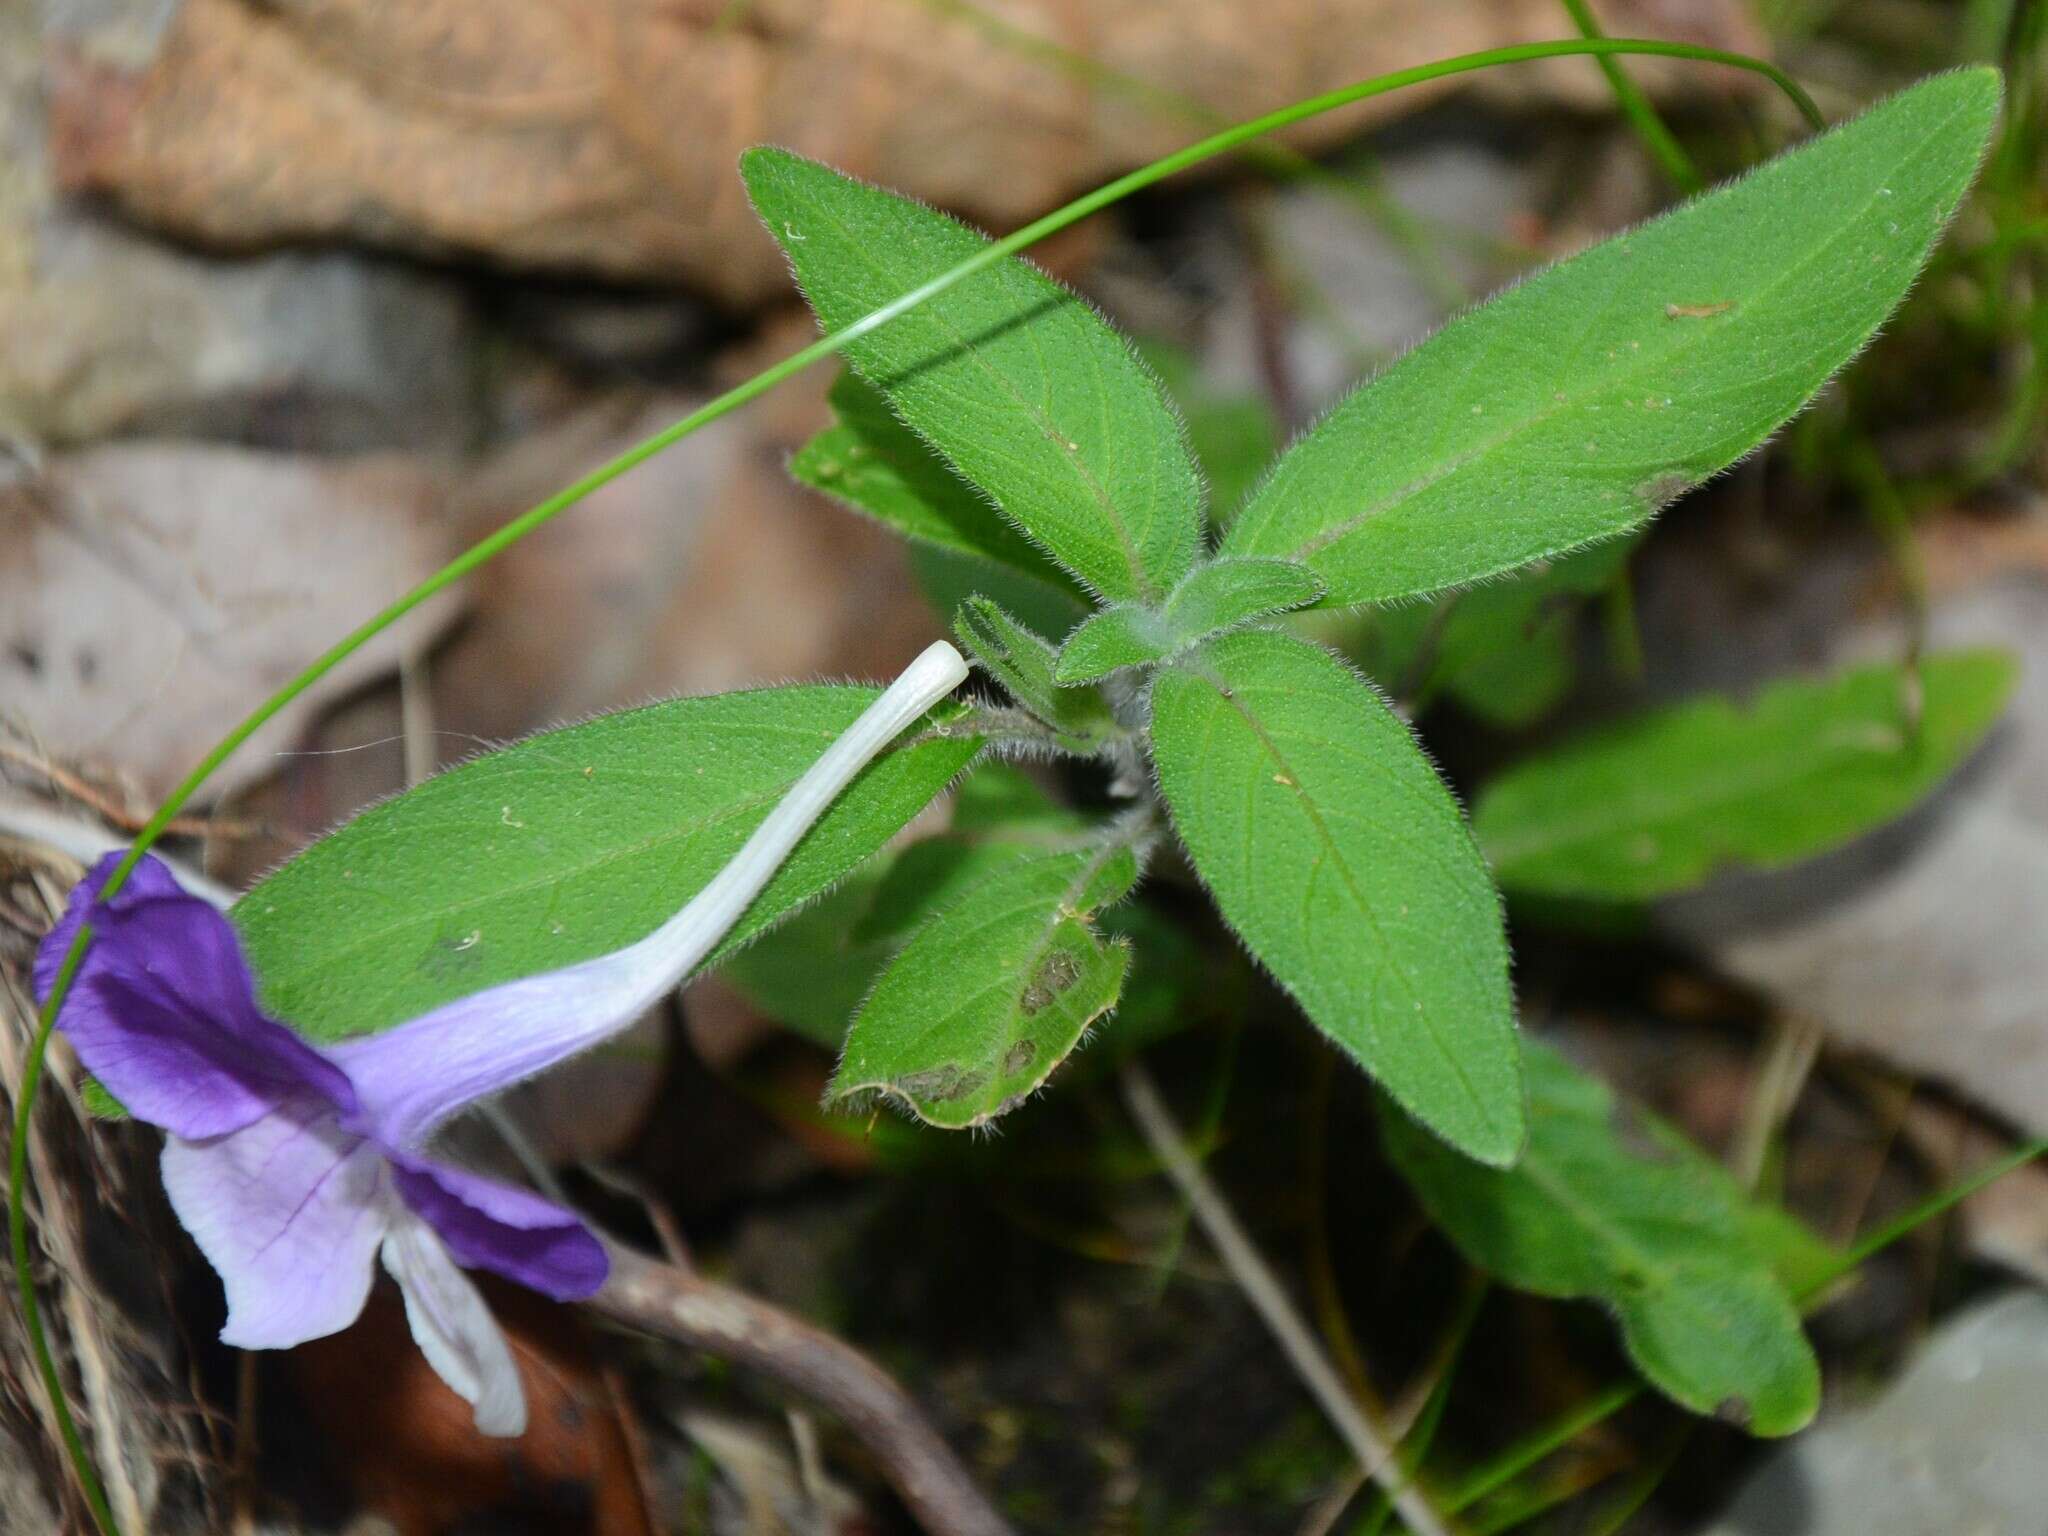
(108, 332)
(1379, 302)
(151, 594)
(1921, 942)
(602, 141)
(1954, 1445)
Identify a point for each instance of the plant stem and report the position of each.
(519, 527)
(1374, 1449)
(1662, 144)
(1364, 188)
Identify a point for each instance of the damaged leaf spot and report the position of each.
(1660, 491)
(1018, 1057)
(1056, 972)
(949, 1081)
(1697, 311)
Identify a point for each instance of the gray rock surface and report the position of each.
(1952, 1447)
(1923, 942)
(107, 331)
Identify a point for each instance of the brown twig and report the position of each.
(110, 810)
(676, 1304)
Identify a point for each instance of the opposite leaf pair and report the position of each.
(1567, 410)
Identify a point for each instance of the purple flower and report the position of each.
(280, 1165)
(296, 1169)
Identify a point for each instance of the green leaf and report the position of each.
(1023, 662)
(813, 971)
(1662, 1237)
(874, 464)
(1576, 404)
(1213, 597)
(1657, 803)
(1111, 640)
(1023, 387)
(568, 845)
(989, 996)
(1339, 857)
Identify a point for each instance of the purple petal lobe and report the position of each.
(289, 1210)
(453, 1327)
(151, 879)
(488, 1225)
(163, 1010)
(414, 1077)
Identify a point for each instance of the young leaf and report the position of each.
(1576, 404)
(1340, 858)
(1214, 596)
(1109, 640)
(813, 971)
(990, 995)
(1023, 663)
(1664, 1239)
(1226, 592)
(568, 845)
(1023, 387)
(873, 463)
(1657, 803)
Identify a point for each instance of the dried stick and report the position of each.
(1373, 1447)
(681, 1305)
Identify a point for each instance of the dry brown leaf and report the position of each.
(151, 594)
(705, 569)
(411, 1448)
(601, 138)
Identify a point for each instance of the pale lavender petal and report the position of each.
(415, 1076)
(290, 1211)
(510, 1232)
(411, 1078)
(453, 1327)
(163, 1010)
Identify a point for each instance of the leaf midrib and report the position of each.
(1133, 561)
(1662, 361)
(1229, 696)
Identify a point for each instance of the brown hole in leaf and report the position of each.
(1056, 972)
(950, 1081)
